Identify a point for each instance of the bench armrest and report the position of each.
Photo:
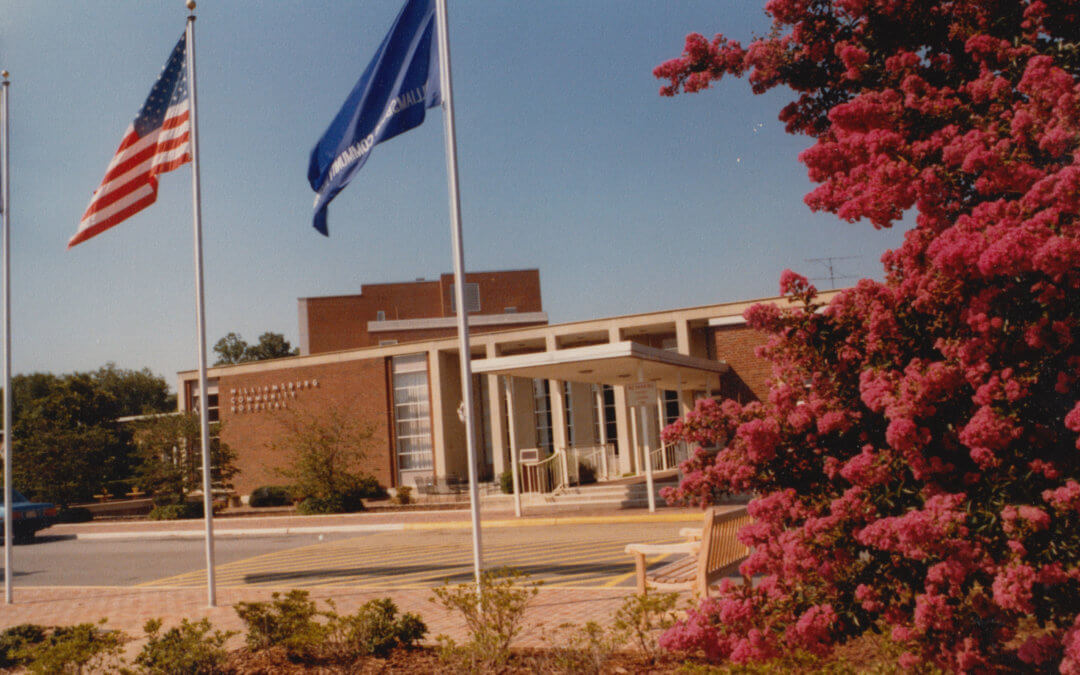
(662, 549)
(691, 533)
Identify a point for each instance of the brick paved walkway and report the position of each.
(127, 609)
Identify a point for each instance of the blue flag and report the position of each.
(391, 97)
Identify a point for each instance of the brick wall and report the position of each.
(354, 387)
(750, 375)
(340, 322)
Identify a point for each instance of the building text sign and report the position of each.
(641, 394)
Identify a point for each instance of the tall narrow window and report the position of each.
(412, 412)
(542, 412)
(609, 415)
(568, 405)
(671, 406)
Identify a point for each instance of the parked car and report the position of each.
(27, 517)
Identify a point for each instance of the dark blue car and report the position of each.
(27, 517)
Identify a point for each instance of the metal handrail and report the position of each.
(544, 475)
(599, 458)
(669, 456)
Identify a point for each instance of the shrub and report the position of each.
(403, 495)
(916, 456)
(288, 622)
(74, 649)
(642, 616)
(374, 630)
(185, 511)
(189, 648)
(74, 514)
(506, 482)
(347, 503)
(368, 487)
(586, 474)
(327, 452)
(167, 512)
(573, 648)
(493, 617)
(16, 639)
(270, 495)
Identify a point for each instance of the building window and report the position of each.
(568, 403)
(671, 406)
(542, 414)
(212, 406)
(387, 343)
(380, 315)
(472, 298)
(609, 416)
(412, 412)
(509, 310)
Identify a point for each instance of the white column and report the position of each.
(624, 425)
(643, 415)
(557, 401)
(660, 427)
(508, 383)
(498, 428)
(598, 390)
(438, 429)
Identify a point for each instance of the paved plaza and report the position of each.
(582, 580)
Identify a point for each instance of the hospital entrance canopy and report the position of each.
(615, 363)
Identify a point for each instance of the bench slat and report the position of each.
(719, 551)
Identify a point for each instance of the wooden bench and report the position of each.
(709, 554)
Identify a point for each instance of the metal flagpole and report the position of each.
(200, 312)
(5, 208)
(459, 280)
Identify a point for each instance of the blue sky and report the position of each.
(570, 162)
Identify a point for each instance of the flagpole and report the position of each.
(200, 312)
(459, 280)
(5, 208)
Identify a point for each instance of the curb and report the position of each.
(393, 527)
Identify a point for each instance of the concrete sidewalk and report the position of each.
(383, 521)
(128, 609)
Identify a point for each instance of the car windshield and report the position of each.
(16, 497)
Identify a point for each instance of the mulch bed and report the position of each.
(426, 660)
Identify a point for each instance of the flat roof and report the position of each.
(616, 363)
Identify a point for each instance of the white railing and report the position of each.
(545, 475)
(669, 456)
(600, 459)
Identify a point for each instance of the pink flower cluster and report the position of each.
(916, 463)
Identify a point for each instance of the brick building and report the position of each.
(389, 356)
(384, 314)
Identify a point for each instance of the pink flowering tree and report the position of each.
(916, 464)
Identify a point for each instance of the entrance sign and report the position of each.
(641, 394)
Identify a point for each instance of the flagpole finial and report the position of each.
(4, 74)
(191, 5)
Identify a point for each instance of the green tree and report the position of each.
(326, 450)
(137, 392)
(230, 349)
(170, 450)
(234, 349)
(271, 346)
(67, 444)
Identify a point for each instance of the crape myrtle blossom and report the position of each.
(916, 463)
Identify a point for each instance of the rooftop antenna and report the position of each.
(828, 262)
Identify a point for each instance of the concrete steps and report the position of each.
(631, 495)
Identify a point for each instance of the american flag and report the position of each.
(157, 141)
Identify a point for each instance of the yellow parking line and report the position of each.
(440, 560)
